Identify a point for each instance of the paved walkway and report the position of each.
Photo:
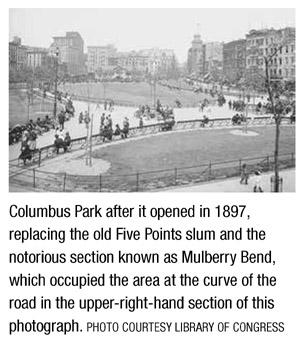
(233, 184)
(227, 185)
(77, 130)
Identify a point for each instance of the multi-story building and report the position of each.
(100, 58)
(17, 54)
(234, 60)
(38, 57)
(213, 60)
(277, 47)
(160, 61)
(133, 61)
(196, 56)
(71, 52)
(289, 55)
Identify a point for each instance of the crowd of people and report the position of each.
(106, 129)
(28, 134)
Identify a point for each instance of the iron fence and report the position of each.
(149, 180)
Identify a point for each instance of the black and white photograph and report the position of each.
(152, 100)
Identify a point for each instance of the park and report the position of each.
(150, 158)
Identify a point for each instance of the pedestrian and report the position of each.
(102, 119)
(141, 122)
(244, 174)
(61, 119)
(67, 140)
(80, 118)
(125, 129)
(257, 182)
(110, 121)
(87, 119)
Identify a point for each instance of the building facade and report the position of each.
(213, 66)
(133, 61)
(234, 61)
(38, 58)
(17, 54)
(147, 61)
(100, 58)
(196, 56)
(71, 52)
(160, 61)
(275, 46)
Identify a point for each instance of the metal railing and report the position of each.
(146, 181)
(77, 143)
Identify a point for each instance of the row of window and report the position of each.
(260, 41)
(273, 61)
(282, 72)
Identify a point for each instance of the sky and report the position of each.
(135, 29)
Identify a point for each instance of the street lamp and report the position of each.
(56, 81)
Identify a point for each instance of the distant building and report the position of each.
(234, 60)
(213, 60)
(276, 45)
(39, 58)
(71, 52)
(196, 56)
(133, 61)
(17, 54)
(160, 61)
(147, 61)
(100, 58)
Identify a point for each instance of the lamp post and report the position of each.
(56, 81)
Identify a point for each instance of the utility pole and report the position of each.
(56, 82)
(90, 159)
(29, 97)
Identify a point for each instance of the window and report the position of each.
(292, 48)
(280, 61)
(286, 49)
(286, 60)
(280, 72)
(292, 60)
(266, 51)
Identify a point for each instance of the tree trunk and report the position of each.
(277, 118)
(276, 156)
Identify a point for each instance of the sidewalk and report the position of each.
(77, 130)
(227, 185)
(233, 184)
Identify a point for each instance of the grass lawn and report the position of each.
(180, 149)
(134, 93)
(18, 107)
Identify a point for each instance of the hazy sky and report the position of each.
(143, 28)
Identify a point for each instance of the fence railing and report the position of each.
(149, 180)
(80, 142)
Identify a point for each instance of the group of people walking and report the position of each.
(257, 179)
